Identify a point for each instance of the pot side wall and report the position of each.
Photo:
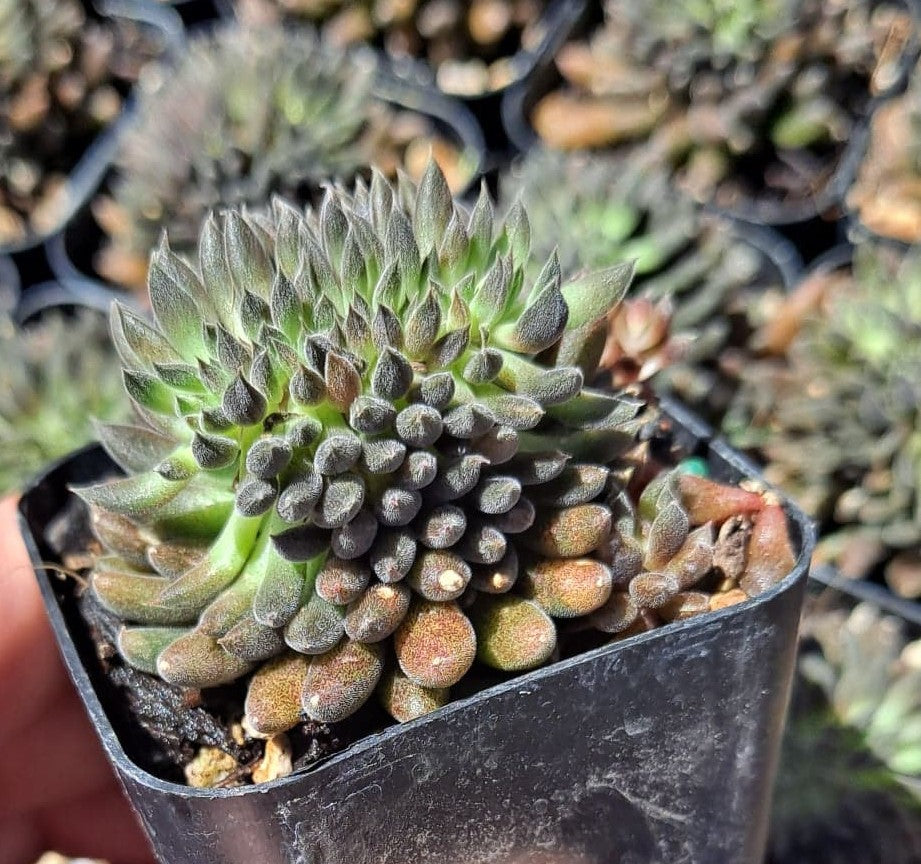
(658, 750)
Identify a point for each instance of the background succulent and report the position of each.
(886, 193)
(56, 377)
(742, 100)
(699, 290)
(468, 43)
(61, 79)
(354, 453)
(849, 784)
(835, 410)
(249, 112)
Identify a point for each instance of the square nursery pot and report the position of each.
(659, 748)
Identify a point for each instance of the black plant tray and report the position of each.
(662, 747)
(84, 177)
(71, 252)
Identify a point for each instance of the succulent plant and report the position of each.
(833, 407)
(56, 377)
(699, 291)
(59, 80)
(355, 450)
(849, 784)
(468, 45)
(752, 100)
(886, 193)
(249, 112)
(689, 545)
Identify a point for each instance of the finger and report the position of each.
(31, 673)
(55, 760)
(20, 841)
(101, 827)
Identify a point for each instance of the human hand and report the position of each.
(57, 789)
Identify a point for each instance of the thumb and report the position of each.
(31, 673)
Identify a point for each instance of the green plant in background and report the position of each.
(713, 28)
(249, 112)
(353, 454)
(56, 377)
(837, 417)
(849, 783)
(58, 77)
(699, 289)
(743, 100)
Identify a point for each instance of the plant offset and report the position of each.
(368, 460)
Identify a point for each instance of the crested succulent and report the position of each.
(250, 112)
(833, 408)
(56, 376)
(468, 45)
(699, 291)
(886, 193)
(751, 100)
(358, 470)
(849, 784)
(59, 84)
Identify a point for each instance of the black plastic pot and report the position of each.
(52, 295)
(662, 747)
(70, 253)
(85, 176)
(813, 226)
(558, 21)
(860, 591)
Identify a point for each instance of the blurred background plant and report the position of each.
(57, 375)
(833, 409)
(849, 782)
(701, 287)
(886, 193)
(469, 44)
(250, 112)
(744, 101)
(63, 77)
